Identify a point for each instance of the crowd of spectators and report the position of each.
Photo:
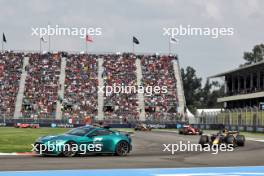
(10, 73)
(120, 70)
(41, 87)
(80, 98)
(158, 71)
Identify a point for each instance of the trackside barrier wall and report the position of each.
(167, 125)
(247, 119)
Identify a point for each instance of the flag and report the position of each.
(135, 40)
(88, 39)
(174, 40)
(43, 39)
(4, 38)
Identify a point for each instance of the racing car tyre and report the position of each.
(69, 153)
(204, 139)
(230, 139)
(185, 132)
(240, 140)
(122, 148)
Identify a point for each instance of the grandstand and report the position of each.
(120, 70)
(41, 86)
(10, 72)
(159, 72)
(63, 86)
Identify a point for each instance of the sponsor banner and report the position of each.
(158, 126)
(259, 129)
(234, 128)
(54, 125)
(241, 128)
(249, 128)
(195, 126)
(2, 124)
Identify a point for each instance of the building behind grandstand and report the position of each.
(243, 101)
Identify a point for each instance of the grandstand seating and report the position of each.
(121, 71)
(81, 86)
(158, 71)
(81, 83)
(41, 87)
(10, 71)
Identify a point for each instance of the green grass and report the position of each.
(20, 140)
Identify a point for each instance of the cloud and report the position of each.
(144, 18)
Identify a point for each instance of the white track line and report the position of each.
(17, 154)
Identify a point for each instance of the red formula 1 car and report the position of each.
(188, 129)
(26, 125)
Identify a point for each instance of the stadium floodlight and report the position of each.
(118, 53)
(82, 52)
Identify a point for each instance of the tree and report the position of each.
(210, 93)
(192, 88)
(256, 55)
(197, 96)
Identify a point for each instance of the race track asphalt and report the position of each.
(147, 153)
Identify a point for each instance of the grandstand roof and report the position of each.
(237, 69)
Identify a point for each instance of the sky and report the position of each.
(145, 19)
